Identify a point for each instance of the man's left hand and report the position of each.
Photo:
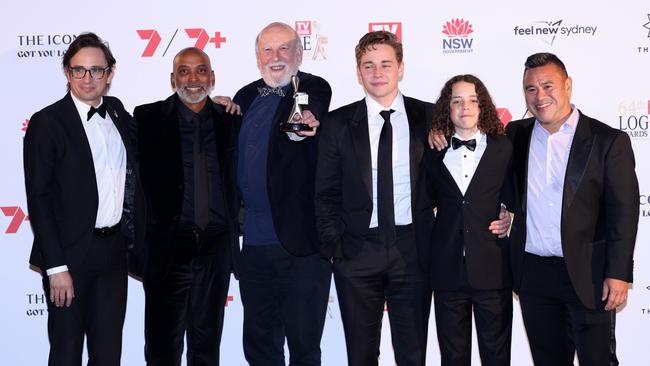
(501, 227)
(231, 107)
(309, 119)
(615, 292)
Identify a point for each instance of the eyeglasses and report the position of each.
(97, 73)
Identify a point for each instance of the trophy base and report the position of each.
(294, 127)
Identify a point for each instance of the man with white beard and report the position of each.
(187, 148)
(284, 282)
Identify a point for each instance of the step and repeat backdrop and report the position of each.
(604, 46)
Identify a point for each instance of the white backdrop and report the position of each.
(605, 48)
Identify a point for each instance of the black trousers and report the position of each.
(97, 309)
(284, 297)
(384, 274)
(188, 300)
(493, 314)
(557, 323)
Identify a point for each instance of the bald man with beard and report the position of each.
(187, 150)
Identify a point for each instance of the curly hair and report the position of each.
(488, 119)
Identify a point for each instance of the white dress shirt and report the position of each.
(547, 162)
(109, 160)
(462, 162)
(401, 158)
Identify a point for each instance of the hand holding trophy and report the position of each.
(294, 123)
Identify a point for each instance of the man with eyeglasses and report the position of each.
(80, 183)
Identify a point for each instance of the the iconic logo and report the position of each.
(634, 118)
(644, 48)
(33, 301)
(43, 45)
(18, 217)
(393, 27)
(549, 30)
(458, 38)
(202, 37)
(647, 26)
(504, 115)
(644, 205)
(313, 41)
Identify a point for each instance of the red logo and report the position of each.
(202, 37)
(457, 28)
(154, 40)
(303, 27)
(393, 27)
(229, 299)
(504, 115)
(26, 123)
(200, 34)
(18, 218)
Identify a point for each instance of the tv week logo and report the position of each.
(17, 215)
(313, 41)
(202, 39)
(458, 39)
(393, 27)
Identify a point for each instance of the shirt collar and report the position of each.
(83, 108)
(187, 114)
(374, 108)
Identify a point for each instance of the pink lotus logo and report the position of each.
(25, 124)
(457, 28)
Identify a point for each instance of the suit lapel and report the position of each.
(521, 148)
(78, 133)
(492, 151)
(361, 143)
(578, 158)
(444, 175)
(416, 122)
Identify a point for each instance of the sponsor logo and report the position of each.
(393, 27)
(17, 218)
(43, 45)
(458, 38)
(644, 49)
(633, 118)
(229, 299)
(504, 115)
(549, 30)
(36, 304)
(25, 125)
(331, 313)
(313, 41)
(644, 208)
(202, 39)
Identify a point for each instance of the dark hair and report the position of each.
(542, 59)
(488, 119)
(371, 39)
(87, 40)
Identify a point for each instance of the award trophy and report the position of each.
(293, 124)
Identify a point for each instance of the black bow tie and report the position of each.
(267, 90)
(469, 144)
(101, 111)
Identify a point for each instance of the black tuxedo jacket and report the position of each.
(161, 166)
(600, 206)
(344, 178)
(61, 185)
(291, 165)
(462, 221)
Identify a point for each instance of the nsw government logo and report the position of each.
(549, 30)
(458, 36)
(633, 118)
(313, 41)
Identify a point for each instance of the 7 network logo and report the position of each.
(203, 38)
(17, 215)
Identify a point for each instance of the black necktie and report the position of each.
(101, 110)
(386, 213)
(267, 90)
(469, 144)
(201, 190)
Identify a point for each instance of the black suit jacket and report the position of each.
(344, 178)
(61, 186)
(161, 166)
(600, 206)
(462, 221)
(291, 165)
